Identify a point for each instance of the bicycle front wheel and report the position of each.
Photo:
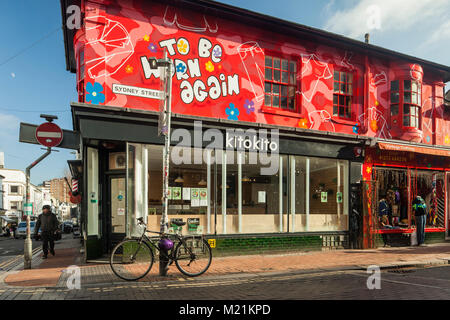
(131, 260)
(193, 257)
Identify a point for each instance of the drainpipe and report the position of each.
(366, 93)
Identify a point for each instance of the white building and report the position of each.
(14, 192)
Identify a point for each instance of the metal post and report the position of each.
(28, 244)
(163, 261)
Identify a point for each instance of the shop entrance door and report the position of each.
(116, 203)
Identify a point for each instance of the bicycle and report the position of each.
(132, 259)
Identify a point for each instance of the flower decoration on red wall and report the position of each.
(447, 139)
(147, 38)
(232, 112)
(217, 53)
(209, 66)
(94, 93)
(181, 68)
(152, 47)
(129, 69)
(249, 106)
(356, 128)
(303, 123)
(182, 46)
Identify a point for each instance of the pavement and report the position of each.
(54, 273)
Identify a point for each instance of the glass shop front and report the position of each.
(227, 193)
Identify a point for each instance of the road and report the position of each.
(11, 248)
(409, 284)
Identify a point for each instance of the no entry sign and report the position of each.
(49, 134)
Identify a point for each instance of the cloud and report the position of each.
(9, 125)
(13, 75)
(440, 34)
(394, 15)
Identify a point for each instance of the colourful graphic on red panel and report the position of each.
(221, 71)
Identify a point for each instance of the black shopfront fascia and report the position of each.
(95, 123)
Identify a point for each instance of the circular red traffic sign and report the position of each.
(49, 134)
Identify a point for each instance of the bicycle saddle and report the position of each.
(178, 223)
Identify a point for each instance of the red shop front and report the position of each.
(394, 174)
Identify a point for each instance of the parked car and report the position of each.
(76, 231)
(21, 231)
(67, 227)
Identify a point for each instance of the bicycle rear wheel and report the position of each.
(194, 258)
(131, 260)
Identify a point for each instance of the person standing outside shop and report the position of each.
(48, 223)
(420, 214)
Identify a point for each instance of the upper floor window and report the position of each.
(280, 83)
(406, 100)
(342, 94)
(15, 205)
(411, 103)
(14, 189)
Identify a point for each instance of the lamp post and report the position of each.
(165, 115)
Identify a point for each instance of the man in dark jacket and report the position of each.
(48, 223)
(420, 212)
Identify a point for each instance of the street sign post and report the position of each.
(49, 134)
(166, 67)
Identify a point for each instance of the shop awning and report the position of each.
(417, 149)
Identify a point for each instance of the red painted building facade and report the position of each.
(247, 68)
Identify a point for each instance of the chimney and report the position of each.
(2, 159)
(366, 36)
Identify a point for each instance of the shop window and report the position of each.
(280, 83)
(232, 193)
(394, 197)
(15, 205)
(430, 186)
(342, 94)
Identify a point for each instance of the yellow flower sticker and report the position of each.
(129, 69)
(209, 66)
(303, 123)
(182, 46)
(147, 38)
(447, 139)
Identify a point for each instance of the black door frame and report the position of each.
(107, 222)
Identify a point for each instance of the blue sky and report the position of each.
(36, 81)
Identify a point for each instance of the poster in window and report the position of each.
(261, 197)
(339, 197)
(169, 193)
(324, 197)
(195, 197)
(187, 194)
(203, 197)
(176, 193)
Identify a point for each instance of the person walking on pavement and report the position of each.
(420, 213)
(48, 223)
